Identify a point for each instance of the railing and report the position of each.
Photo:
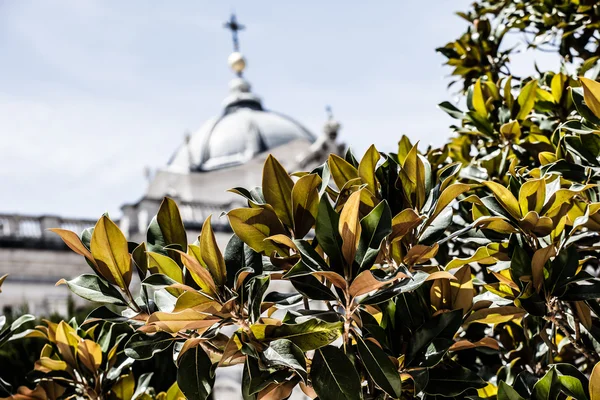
(16, 226)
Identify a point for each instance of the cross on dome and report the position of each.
(234, 26)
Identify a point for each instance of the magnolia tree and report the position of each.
(468, 271)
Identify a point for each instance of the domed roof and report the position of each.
(243, 130)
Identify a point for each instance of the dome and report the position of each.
(243, 130)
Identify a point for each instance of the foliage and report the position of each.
(85, 362)
(469, 271)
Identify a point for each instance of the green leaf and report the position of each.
(143, 385)
(195, 375)
(277, 189)
(333, 375)
(326, 232)
(381, 369)
(171, 225)
(142, 347)
(595, 383)
(308, 335)
(375, 227)
(341, 170)
(254, 225)
(506, 392)
(285, 353)
(256, 293)
(453, 381)
(563, 268)
(520, 265)
(211, 254)
(573, 387)
(526, 99)
(591, 94)
(366, 168)
(161, 264)
(94, 288)
(109, 249)
(547, 388)
(451, 110)
(478, 100)
(305, 203)
(444, 325)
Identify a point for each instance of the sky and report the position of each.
(94, 92)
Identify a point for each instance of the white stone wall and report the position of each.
(32, 278)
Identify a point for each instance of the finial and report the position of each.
(236, 60)
(332, 126)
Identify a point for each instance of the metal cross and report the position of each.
(234, 27)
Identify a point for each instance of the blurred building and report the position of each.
(227, 151)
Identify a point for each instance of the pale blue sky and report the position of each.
(91, 92)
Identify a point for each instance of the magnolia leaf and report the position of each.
(305, 203)
(383, 372)
(532, 196)
(349, 227)
(256, 292)
(538, 262)
(109, 249)
(595, 383)
(73, 241)
(124, 388)
(171, 225)
(161, 264)
(526, 99)
(449, 194)
(375, 226)
(211, 254)
(67, 341)
(90, 355)
(366, 168)
(548, 387)
(178, 321)
(254, 225)
(200, 274)
(365, 282)
(591, 94)
(496, 315)
(94, 288)
(511, 130)
(277, 189)
(419, 254)
(285, 353)
(453, 381)
(327, 234)
(333, 375)
(442, 326)
(489, 254)
(341, 170)
(478, 100)
(403, 223)
(143, 347)
(461, 289)
(309, 335)
(506, 392)
(195, 375)
(505, 198)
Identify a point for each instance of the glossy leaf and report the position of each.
(109, 249)
(380, 368)
(277, 189)
(333, 375)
